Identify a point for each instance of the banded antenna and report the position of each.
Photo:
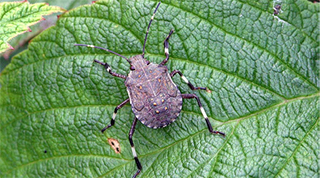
(145, 39)
(105, 49)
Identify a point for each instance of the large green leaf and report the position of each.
(17, 17)
(262, 70)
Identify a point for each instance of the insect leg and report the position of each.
(166, 48)
(187, 81)
(115, 114)
(108, 68)
(133, 149)
(190, 96)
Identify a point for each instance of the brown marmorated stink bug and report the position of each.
(155, 100)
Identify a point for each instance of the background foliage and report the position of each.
(262, 70)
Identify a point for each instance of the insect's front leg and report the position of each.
(115, 114)
(166, 48)
(187, 81)
(108, 68)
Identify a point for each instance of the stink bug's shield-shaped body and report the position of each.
(155, 99)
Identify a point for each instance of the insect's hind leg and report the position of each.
(115, 114)
(166, 48)
(187, 81)
(134, 153)
(190, 96)
(108, 68)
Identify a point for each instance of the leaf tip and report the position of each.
(12, 48)
(42, 19)
(29, 29)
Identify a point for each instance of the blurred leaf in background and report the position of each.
(18, 40)
(17, 17)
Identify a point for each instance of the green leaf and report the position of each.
(262, 70)
(17, 17)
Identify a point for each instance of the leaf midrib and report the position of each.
(172, 58)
